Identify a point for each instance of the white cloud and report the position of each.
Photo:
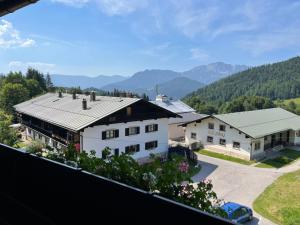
(121, 7)
(10, 37)
(74, 3)
(23, 66)
(156, 50)
(198, 54)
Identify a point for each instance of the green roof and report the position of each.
(259, 123)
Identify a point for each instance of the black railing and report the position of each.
(37, 190)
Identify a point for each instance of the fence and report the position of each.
(40, 191)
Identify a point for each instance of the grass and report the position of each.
(288, 156)
(225, 157)
(286, 101)
(280, 202)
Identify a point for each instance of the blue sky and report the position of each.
(93, 37)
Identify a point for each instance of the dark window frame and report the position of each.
(132, 149)
(193, 135)
(128, 131)
(210, 139)
(154, 128)
(150, 145)
(222, 127)
(113, 133)
(235, 143)
(211, 126)
(222, 142)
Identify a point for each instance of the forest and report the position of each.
(263, 83)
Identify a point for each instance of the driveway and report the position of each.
(236, 182)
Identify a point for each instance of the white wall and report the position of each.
(230, 135)
(92, 138)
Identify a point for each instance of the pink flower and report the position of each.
(77, 147)
(183, 167)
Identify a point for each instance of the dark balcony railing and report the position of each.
(40, 191)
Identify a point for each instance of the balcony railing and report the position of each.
(37, 189)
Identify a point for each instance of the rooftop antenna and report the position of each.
(156, 89)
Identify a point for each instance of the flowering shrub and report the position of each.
(170, 179)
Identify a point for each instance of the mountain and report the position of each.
(176, 88)
(212, 72)
(146, 79)
(275, 81)
(84, 81)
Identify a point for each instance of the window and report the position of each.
(129, 111)
(193, 135)
(236, 145)
(47, 140)
(150, 145)
(151, 128)
(210, 139)
(222, 142)
(116, 152)
(211, 126)
(29, 131)
(40, 136)
(132, 131)
(266, 138)
(280, 137)
(132, 149)
(109, 134)
(55, 144)
(246, 136)
(256, 145)
(222, 127)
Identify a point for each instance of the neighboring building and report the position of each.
(126, 125)
(188, 114)
(247, 134)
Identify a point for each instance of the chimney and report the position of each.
(59, 94)
(84, 104)
(74, 95)
(93, 96)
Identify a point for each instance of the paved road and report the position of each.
(236, 182)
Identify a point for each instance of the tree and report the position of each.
(33, 87)
(8, 135)
(12, 94)
(49, 84)
(36, 75)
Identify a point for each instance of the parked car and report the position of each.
(237, 213)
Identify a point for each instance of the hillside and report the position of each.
(275, 81)
(212, 72)
(143, 80)
(176, 88)
(84, 81)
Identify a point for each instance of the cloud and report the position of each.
(10, 37)
(73, 3)
(121, 7)
(155, 51)
(198, 54)
(23, 66)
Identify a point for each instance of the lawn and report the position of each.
(225, 157)
(288, 156)
(280, 202)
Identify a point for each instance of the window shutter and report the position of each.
(126, 131)
(147, 129)
(138, 130)
(103, 135)
(116, 152)
(138, 148)
(116, 133)
(156, 127)
(155, 144)
(146, 145)
(126, 149)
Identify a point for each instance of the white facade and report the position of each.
(91, 138)
(230, 135)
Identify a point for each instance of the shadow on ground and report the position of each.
(206, 170)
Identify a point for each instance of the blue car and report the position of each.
(237, 213)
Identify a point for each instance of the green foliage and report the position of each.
(8, 135)
(274, 81)
(12, 94)
(36, 75)
(246, 103)
(170, 179)
(292, 105)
